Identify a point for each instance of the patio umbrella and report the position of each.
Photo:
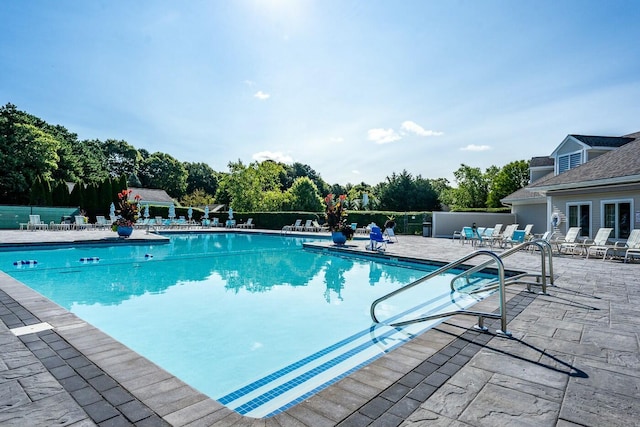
(172, 211)
(206, 211)
(112, 210)
(230, 213)
(190, 213)
(146, 211)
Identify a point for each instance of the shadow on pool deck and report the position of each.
(573, 360)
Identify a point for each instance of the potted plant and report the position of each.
(127, 211)
(336, 216)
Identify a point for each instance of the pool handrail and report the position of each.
(502, 315)
(545, 250)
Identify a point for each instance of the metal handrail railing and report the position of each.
(481, 315)
(545, 250)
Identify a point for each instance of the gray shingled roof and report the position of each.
(152, 195)
(615, 167)
(603, 141)
(541, 161)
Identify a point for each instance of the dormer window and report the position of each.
(569, 161)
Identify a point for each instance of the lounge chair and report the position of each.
(506, 237)
(377, 242)
(293, 227)
(319, 227)
(468, 234)
(390, 234)
(527, 231)
(517, 237)
(598, 246)
(308, 226)
(631, 247)
(35, 223)
(81, 223)
(569, 242)
(248, 224)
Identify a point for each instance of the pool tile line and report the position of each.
(104, 400)
(393, 405)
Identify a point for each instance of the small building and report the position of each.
(588, 182)
(152, 196)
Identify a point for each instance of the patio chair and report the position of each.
(468, 234)
(391, 235)
(631, 246)
(81, 223)
(377, 242)
(527, 231)
(101, 222)
(569, 242)
(323, 227)
(248, 224)
(308, 226)
(506, 236)
(598, 246)
(35, 223)
(293, 227)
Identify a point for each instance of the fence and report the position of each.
(12, 216)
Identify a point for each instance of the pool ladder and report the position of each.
(501, 283)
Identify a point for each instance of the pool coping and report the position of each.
(361, 394)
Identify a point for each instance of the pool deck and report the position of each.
(573, 358)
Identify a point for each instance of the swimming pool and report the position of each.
(253, 321)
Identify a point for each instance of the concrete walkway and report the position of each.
(573, 359)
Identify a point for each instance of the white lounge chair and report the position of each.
(293, 227)
(248, 224)
(35, 223)
(81, 223)
(598, 246)
(632, 246)
(569, 242)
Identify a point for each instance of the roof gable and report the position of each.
(618, 166)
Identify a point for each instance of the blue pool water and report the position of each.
(254, 321)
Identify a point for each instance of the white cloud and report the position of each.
(270, 155)
(249, 82)
(413, 127)
(383, 136)
(355, 172)
(336, 139)
(473, 147)
(261, 95)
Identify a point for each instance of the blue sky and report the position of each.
(355, 89)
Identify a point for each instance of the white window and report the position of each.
(616, 214)
(569, 161)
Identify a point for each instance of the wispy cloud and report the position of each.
(383, 136)
(261, 95)
(249, 82)
(270, 155)
(336, 139)
(473, 147)
(413, 127)
(355, 172)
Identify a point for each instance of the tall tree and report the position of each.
(472, 190)
(305, 196)
(160, 170)
(121, 158)
(512, 177)
(401, 192)
(246, 185)
(201, 176)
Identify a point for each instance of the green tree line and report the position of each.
(37, 160)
